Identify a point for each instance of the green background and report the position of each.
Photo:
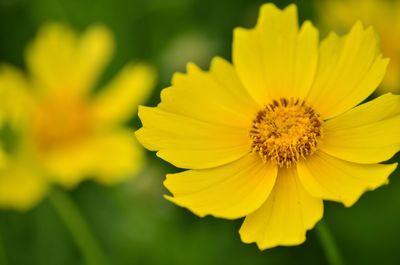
(132, 221)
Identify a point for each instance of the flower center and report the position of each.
(285, 131)
(60, 122)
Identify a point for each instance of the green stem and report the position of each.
(78, 228)
(3, 260)
(328, 244)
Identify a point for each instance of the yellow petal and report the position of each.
(21, 185)
(230, 191)
(118, 101)
(330, 178)
(15, 97)
(286, 215)
(107, 158)
(60, 61)
(216, 96)
(117, 156)
(190, 143)
(275, 59)
(368, 133)
(350, 69)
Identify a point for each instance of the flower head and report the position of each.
(62, 131)
(279, 131)
(384, 15)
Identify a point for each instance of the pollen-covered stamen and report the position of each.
(285, 131)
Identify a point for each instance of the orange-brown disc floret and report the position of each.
(285, 131)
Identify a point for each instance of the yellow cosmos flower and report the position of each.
(384, 15)
(51, 124)
(279, 131)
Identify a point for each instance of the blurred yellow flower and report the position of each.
(384, 15)
(54, 128)
(273, 135)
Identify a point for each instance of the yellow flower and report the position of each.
(384, 15)
(54, 128)
(279, 131)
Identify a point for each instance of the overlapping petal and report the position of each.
(330, 178)
(350, 68)
(216, 96)
(368, 133)
(230, 191)
(285, 216)
(276, 59)
(189, 143)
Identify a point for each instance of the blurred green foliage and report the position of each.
(132, 221)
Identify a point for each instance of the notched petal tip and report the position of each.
(385, 181)
(191, 67)
(179, 203)
(143, 139)
(264, 245)
(141, 110)
(357, 26)
(332, 37)
(147, 114)
(216, 62)
(329, 178)
(269, 9)
(240, 31)
(308, 25)
(284, 219)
